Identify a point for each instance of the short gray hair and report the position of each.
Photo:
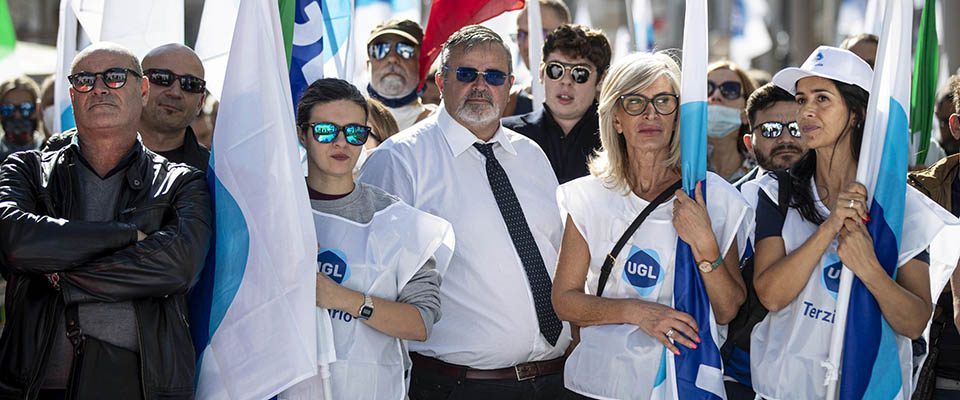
(630, 74)
(472, 36)
(108, 47)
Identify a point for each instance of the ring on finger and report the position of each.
(852, 203)
(670, 333)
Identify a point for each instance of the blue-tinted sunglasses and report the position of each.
(492, 76)
(26, 109)
(326, 132)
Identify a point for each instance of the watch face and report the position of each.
(366, 312)
(706, 266)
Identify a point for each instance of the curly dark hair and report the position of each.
(578, 41)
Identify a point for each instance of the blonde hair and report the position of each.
(630, 74)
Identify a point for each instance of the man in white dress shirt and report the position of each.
(499, 336)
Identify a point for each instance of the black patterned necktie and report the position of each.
(526, 247)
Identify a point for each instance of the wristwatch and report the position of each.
(707, 266)
(366, 310)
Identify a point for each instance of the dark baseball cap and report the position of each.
(406, 29)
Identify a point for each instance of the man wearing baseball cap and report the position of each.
(393, 64)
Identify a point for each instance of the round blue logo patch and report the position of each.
(333, 263)
(830, 277)
(642, 270)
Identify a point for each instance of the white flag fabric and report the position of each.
(749, 37)
(254, 319)
(139, 25)
(535, 39)
(213, 41)
(642, 16)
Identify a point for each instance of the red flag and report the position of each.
(448, 16)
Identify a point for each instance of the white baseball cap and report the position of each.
(831, 63)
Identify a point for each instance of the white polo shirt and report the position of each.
(489, 319)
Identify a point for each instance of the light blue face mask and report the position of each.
(722, 120)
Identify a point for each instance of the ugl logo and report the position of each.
(333, 263)
(830, 278)
(642, 270)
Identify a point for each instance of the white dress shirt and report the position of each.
(489, 319)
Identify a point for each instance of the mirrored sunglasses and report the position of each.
(165, 77)
(26, 109)
(554, 70)
(381, 50)
(730, 90)
(114, 78)
(326, 132)
(773, 129)
(636, 104)
(491, 76)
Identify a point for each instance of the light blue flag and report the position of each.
(870, 366)
(253, 318)
(321, 43)
(698, 371)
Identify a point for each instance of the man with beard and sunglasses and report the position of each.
(19, 116)
(176, 99)
(498, 190)
(575, 59)
(102, 239)
(774, 138)
(394, 64)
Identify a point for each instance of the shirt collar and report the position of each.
(459, 138)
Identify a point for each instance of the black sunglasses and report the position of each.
(26, 109)
(467, 75)
(730, 90)
(555, 69)
(381, 50)
(165, 77)
(114, 78)
(326, 132)
(636, 104)
(773, 129)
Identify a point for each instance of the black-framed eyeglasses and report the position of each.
(326, 132)
(114, 78)
(773, 129)
(730, 90)
(26, 109)
(555, 69)
(636, 104)
(492, 76)
(165, 77)
(381, 50)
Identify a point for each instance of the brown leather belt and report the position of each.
(519, 372)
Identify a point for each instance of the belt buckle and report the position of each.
(516, 368)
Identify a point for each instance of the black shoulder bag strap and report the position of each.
(612, 256)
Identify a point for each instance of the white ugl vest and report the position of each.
(621, 361)
(377, 258)
(788, 346)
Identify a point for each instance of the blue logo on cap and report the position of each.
(642, 270)
(333, 263)
(830, 277)
(818, 60)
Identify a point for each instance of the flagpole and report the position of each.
(535, 48)
(895, 30)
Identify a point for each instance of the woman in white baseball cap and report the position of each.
(798, 256)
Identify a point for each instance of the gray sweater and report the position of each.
(423, 290)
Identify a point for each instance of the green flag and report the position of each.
(8, 38)
(925, 69)
(287, 12)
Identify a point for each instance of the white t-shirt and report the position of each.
(622, 361)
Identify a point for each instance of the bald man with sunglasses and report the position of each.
(393, 52)
(176, 99)
(102, 239)
(575, 59)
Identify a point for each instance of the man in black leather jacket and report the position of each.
(105, 226)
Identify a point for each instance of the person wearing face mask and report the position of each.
(394, 51)
(728, 87)
(19, 116)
